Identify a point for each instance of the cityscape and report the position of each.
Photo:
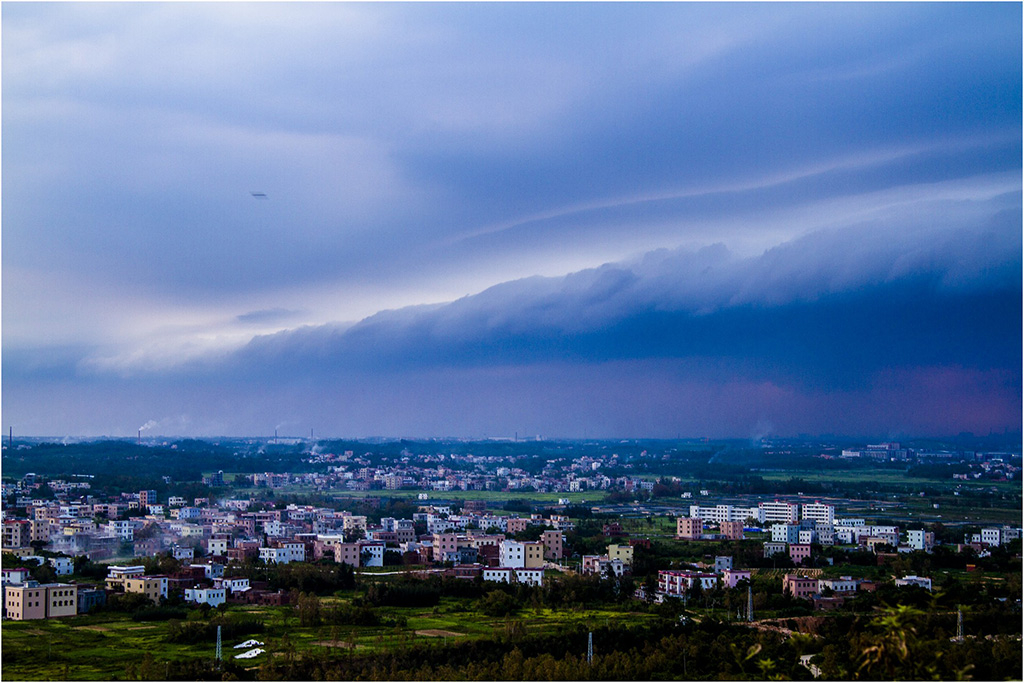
(512, 341)
(392, 559)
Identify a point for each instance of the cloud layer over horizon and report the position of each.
(611, 220)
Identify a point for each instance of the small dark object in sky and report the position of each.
(259, 195)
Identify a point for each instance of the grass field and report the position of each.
(102, 646)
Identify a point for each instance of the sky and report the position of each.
(600, 220)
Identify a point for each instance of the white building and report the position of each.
(534, 577)
(779, 511)
(287, 552)
(724, 513)
(675, 582)
(915, 581)
(501, 574)
(819, 512)
(919, 539)
(62, 566)
(844, 584)
(371, 554)
(991, 536)
(209, 596)
(786, 533)
(511, 554)
(183, 554)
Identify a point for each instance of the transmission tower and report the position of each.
(750, 604)
(590, 647)
(959, 625)
(218, 646)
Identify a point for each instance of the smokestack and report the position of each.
(10, 439)
(140, 437)
(275, 434)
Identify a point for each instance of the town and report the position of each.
(78, 547)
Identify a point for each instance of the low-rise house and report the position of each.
(208, 596)
(89, 598)
(603, 566)
(62, 566)
(531, 576)
(153, 587)
(844, 584)
(912, 580)
(732, 577)
(19, 575)
(798, 586)
(676, 582)
(500, 574)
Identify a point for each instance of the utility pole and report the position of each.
(590, 648)
(750, 604)
(959, 625)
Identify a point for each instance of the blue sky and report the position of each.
(563, 219)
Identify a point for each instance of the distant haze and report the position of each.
(477, 219)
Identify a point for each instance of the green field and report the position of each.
(104, 645)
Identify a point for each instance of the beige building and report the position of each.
(689, 527)
(553, 544)
(35, 601)
(731, 530)
(623, 553)
(153, 587)
(117, 575)
(533, 555)
(514, 525)
(347, 553)
(17, 533)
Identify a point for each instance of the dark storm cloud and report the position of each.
(805, 213)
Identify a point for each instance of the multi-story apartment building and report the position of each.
(518, 554)
(819, 512)
(444, 543)
(553, 544)
(514, 525)
(786, 533)
(779, 511)
(147, 498)
(689, 527)
(732, 531)
(32, 600)
(799, 552)
(724, 513)
(17, 533)
(346, 553)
